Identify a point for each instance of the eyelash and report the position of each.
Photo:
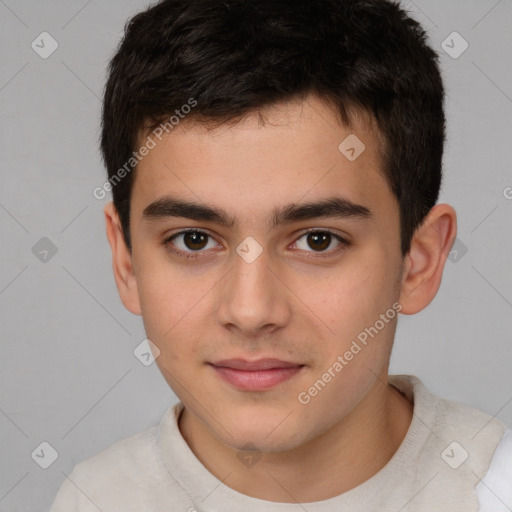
(191, 255)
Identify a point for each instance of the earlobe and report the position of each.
(424, 264)
(121, 261)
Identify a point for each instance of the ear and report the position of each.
(424, 264)
(121, 261)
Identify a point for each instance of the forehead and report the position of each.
(286, 153)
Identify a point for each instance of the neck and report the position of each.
(354, 450)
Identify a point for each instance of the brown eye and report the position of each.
(189, 243)
(317, 243)
(319, 240)
(195, 240)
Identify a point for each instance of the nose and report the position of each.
(253, 301)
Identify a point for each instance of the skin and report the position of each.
(284, 304)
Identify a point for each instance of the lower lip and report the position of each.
(256, 380)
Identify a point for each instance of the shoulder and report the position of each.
(473, 443)
(446, 415)
(464, 412)
(454, 429)
(121, 475)
(495, 488)
(121, 458)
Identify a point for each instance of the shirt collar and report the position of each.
(211, 495)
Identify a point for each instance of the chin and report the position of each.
(272, 435)
(260, 442)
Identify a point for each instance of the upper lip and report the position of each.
(258, 364)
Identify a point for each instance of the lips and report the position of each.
(259, 375)
(252, 366)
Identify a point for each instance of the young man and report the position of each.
(275, 167)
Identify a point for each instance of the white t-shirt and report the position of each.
(453, 458)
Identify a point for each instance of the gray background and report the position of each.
(68, 375)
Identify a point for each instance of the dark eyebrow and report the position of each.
(336, 207)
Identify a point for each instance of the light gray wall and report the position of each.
(68, 375)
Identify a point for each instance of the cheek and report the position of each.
(163, 304)
(352, 300)
(172, 312)
(350, 295)
(164, 289)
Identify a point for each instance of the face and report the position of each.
(268, 279)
